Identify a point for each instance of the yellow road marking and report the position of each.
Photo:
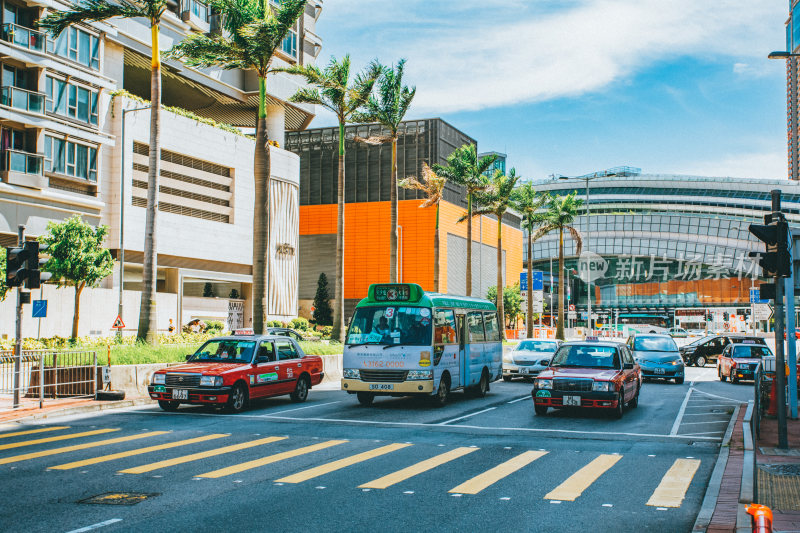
(305, 475)
(139, 451)
(54, 439)
(493, 475)
(413, 470)
(32, 431)
(672, 489)
(200, 455)
(241, 467)
(582, 479)
(75, 447)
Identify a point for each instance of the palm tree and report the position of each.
(527, 202)
(432, 187)
(331, 88)
(560, 214)
(255, 31)
(388, 107)
(496, 200)
(96, 10)
(465, 169)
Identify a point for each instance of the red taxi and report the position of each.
(589, 374)
(740, 361)
(231, 371)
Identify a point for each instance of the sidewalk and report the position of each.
(778, 474)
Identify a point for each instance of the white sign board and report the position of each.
(762, 311)
(106, 374)
(538, 301)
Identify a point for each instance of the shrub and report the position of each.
(300, 324)
(326, 331)
(214, 326)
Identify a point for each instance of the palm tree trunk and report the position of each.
(148, 314)
(261, 170)
(393, 267)
(529, 321)
(469, 243)
(500, 309)
(561, 280)
(338, 332)
(436, 252)
(76, 315)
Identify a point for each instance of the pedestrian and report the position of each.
(171, 327)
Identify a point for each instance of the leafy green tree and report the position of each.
(389, 107)
(77, 257)
(561, 213)
(495, 200)
(431, 186)
(527, 202)
(83, 11)
(512, 301)
(322, 303)
(254, 32)
(332, 89)
(465, 169)
(3, 287)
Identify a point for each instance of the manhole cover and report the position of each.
(119, 498)
(782, 469)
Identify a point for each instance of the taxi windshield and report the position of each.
(751, 351)
(654, 344)
(389, 325)
(537, 346)
(226, 350)
(582, 356)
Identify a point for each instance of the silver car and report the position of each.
(530, 357)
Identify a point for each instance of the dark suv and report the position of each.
(708, 349)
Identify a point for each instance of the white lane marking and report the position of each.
(608, 505)
(708, 413)
(679, 418)
(465, 416)
(721, 432)
(96, 526)
(519, 399)
(300, 408)
(706, 422)
(734, 400)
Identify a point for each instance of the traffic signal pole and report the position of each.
(780, 359)
(18, 339)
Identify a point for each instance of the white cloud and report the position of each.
(470, 54)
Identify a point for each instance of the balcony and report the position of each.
(196, 14)
(23, 99)
(22, 168)
(24, 37)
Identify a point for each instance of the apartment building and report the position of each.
(63, 151)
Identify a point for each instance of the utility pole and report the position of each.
(18, 338)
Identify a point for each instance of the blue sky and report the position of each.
(574, 86)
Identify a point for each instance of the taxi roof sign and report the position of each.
(246, 331)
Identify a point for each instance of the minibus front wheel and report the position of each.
(365, 398)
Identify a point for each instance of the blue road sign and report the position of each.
(755, 297)
(523, 281)
(537, 283)
(39, 308)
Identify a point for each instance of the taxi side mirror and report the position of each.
(189, 356)
(627, 366)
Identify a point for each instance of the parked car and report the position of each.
(231, 371)
(530, 357)
(678, 332)
(589, 374)
(707, 349)
(739, 361)
(658, 357)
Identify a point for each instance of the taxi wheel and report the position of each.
(300, 391)
(700, 361)
(443, 393)
(541, 410)
(635, 402)
(722, 377)
(168, 406)
(237, 399)
(734, 379)
(506, 378)
(620, 407)
(365, 398)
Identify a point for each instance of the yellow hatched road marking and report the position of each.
(139, 451)
(54, 439)
(75, 447)
(241, 467)
(493, 475)
(305, 475)
(672, 489)
(582, 479)
(32, 431)
(413, 470)
(200, 455)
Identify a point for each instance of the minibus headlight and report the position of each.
(351, 373)
(419, 374)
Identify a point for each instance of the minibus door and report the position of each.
(463, 357)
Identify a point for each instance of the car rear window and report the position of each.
(537, 346)
(654, 344)
(582, 356)
(751, 352)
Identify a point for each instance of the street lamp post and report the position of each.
(122, 213)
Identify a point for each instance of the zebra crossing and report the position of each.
(55, 449)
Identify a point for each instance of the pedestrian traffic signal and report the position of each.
(776, 260)
(23, 266)
(767, 291)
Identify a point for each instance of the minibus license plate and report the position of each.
(572, 401)
(381, 386)
(180, 394)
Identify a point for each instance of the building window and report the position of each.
(71, 101)
(198, 9)
(70, 158)
(79, 46)
(289, 44)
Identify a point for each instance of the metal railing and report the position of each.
(24, 162)
(46, 374)
(22, 99)
(758, 404)
(25, 37)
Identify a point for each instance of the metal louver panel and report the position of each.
(283, 248)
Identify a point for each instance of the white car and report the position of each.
(530, 357)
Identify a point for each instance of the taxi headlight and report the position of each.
(210, 381)
(419, 374)
(351, 373)
(543, 383)
(159, 379)
(602, 386)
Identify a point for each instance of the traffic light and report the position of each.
(15, 266)
(34, 265)
(709, 317)
(776, 261)
(767, 291)
(725, 316)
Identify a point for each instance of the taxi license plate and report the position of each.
(658, 371)
(572, 401)
(523, 370)
(381, 386)
(180, 394)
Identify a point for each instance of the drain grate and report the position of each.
(119, 498)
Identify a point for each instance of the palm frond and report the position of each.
(544, 230)
(576, 236)
(93, 10)
(309, 95)
(199, 50)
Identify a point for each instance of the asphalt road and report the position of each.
(474, 465)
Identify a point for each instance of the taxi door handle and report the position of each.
(299, 365)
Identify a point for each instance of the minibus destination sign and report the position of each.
(392, 293)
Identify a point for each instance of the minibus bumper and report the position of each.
(405, 387)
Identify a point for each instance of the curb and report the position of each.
(712, 491)
(92, 408)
